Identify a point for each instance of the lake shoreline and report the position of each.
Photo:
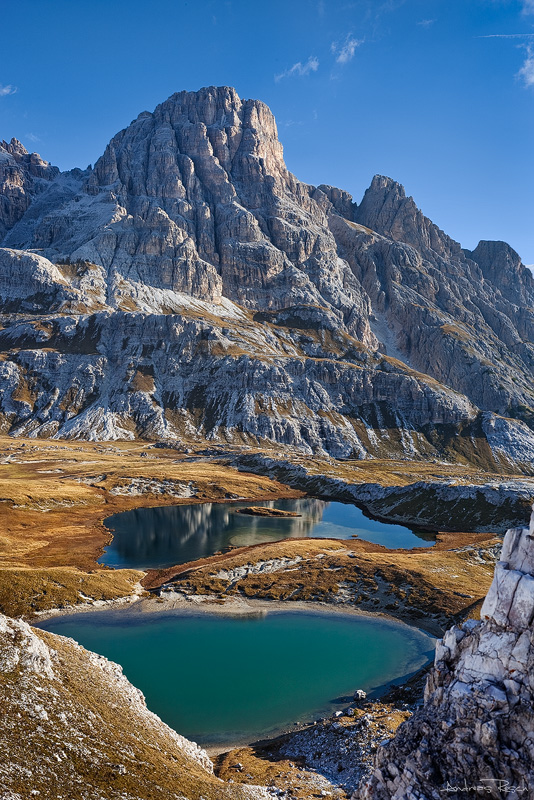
(237, 608)
(138, 605)
(158, 539)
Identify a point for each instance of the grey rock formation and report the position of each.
(22, 176)
(467, 324)
(476, 728)
(115, 375)
(251, 306)
(501, 265)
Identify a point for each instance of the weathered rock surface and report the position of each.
(476, 728)
(189, 286)
(446, 504)
(22, 177)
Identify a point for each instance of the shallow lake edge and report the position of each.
(138, 605)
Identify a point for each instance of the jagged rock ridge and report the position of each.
(476, 728)
(22, 176)
(190, 286)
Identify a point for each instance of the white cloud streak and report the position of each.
(506, 36)
(528, 7)
(5, 90)
(299, 70)
(526, 73)
(345, 52)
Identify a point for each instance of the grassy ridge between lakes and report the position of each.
(55, 496)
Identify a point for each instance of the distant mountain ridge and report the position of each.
(189, 286)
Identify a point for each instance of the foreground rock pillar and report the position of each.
(474, 736)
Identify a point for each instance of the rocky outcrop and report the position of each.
(122, 374)
(501, 265)
(73, 726)
(22, 176)
(31, 283)
(310, 321)
(195, 197)
(474, 735)
(386, 210)
(437, 309)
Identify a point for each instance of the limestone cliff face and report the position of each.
(467, 321)
(476, 728)
(353, 330)
(22, 177)
(195, 197)
(227, 378)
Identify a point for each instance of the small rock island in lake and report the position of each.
(261, 511)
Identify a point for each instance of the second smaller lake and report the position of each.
(162, 537)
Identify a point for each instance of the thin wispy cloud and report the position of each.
(506, 36)
(528, 7)
(5, 90)
(299, 70)
(290, 123)
(526, 73)
(32, 137)
(345, 52)
(426, 23)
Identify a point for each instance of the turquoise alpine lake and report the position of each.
(162, 537)
(222, 680)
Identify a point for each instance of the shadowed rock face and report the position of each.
(477, 725)
(311, 321)
(22, 177)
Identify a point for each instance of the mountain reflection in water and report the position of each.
(162, 537)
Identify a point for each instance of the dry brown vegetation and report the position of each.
(25, 590)
(266, 768)
(54, 497)
(428, 587)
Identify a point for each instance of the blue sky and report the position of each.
(437, 94)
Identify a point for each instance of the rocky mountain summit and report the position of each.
(476, 728)
(190, 287)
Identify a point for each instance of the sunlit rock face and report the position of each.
(196, 198)
(190, 286)
(477, 725)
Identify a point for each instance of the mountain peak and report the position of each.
(381, 183)
(192, 204)
(501, 265)
(386, 209)
(14, 147)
